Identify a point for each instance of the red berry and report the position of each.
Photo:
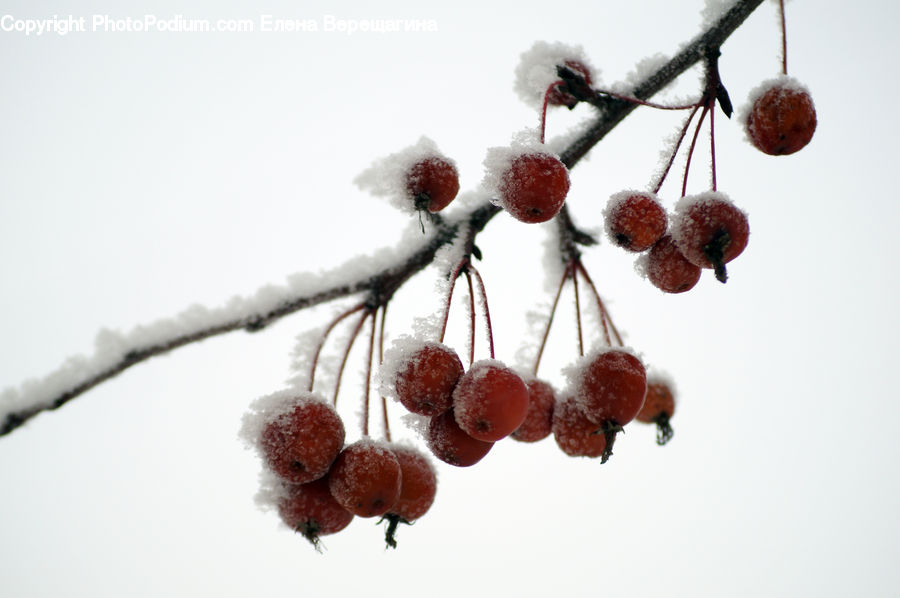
(451, 445)
(490, 401)
(782, 120)
(534, 187)
(365, 478)
(635, 221)
(659, 406)
(611, 387)
(575, 434)
(418, 484)
(425, 385)
(558, 96)
(710, 231)
(311, 510)
(668, 269)
(432, 183)
(539, 418)
(300, 444)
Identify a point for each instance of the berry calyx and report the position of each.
(425, 384)
(575, 434)
(312, 511)
(659, 406)
(610, 387)
(432, 183)
(418, 486)
(490, 401)
(635, 220)
(710, 231)
(557, 96)
(450, 444)
(782, 119)
(538, 423)
(365, 478)
(668, 269)
(534, 187)
(301, 443)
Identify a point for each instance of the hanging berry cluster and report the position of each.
(319, 483)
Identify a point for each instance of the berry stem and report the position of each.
(690, 154)
(681, 135)
(368, 382)
(578, 314)
(540, 352)
(640, 102)
(384, 412)
(453, 276)
(544, 108)
(487, 312)
(783, 38)
(712, 140)
(605, 318)
(335, 322)
(353, 335)
(471, 317)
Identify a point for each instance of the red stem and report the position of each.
(665, 172)
(543, 344)
(487, 312)
(353, 335)
(544, 109)
(578, 316)
(783, 38)
(712, 140)
(687, 165)
(384, 413)
(605, 318)
(370, 356)
(335, 322)
(453, 277)
(471, 317)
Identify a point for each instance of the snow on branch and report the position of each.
(378, 277)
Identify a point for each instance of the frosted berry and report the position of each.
(425, 384)
(668, 269)
(610, 387)
(558, 96)
(490, 401)
(300, 444)
(432, 183)
(659, 406)
(450, 444)
(782, 120)
(312, 511)
(575, 434)
(365, 478)
(710, 231)
(635, 221)
(418, 486)
(538, 422)
(534, 187)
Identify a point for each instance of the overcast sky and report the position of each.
(143, 172)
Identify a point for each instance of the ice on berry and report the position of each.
(270, 407)
(536, 70)
(386, 177)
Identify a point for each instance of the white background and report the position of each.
(143, 172)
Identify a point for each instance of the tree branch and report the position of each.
(78, 375)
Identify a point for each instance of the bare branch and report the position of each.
(381, 285)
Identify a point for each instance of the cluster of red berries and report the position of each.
(470, 410)
(324, 484)
(706, 231)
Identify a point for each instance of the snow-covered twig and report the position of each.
(116, 353)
